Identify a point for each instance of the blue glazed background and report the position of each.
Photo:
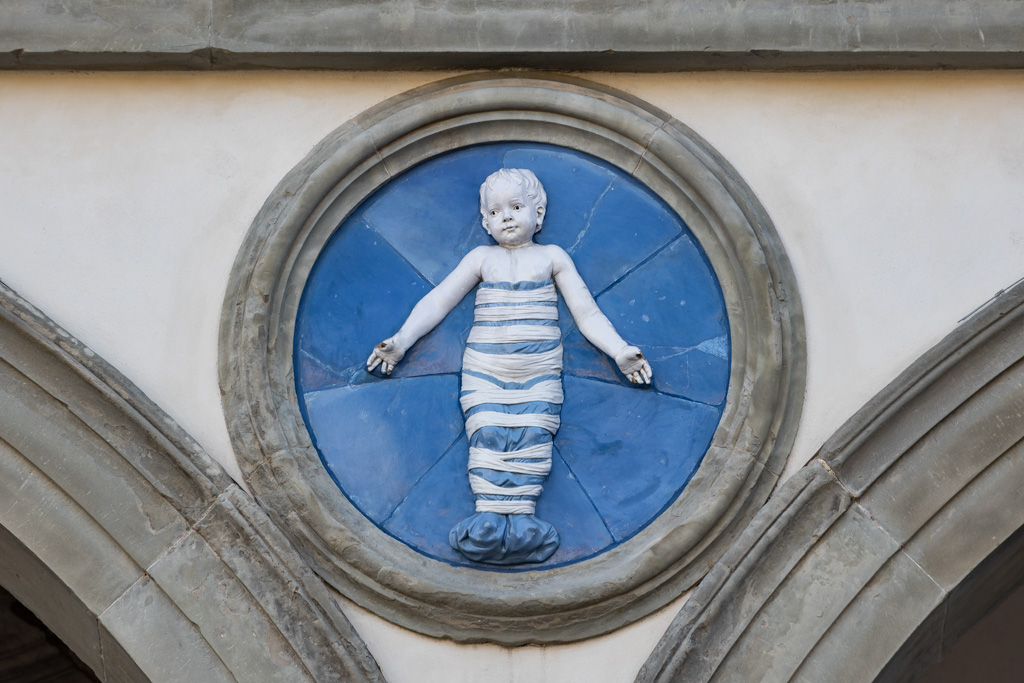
(397, 448)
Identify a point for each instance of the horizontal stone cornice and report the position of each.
(458, 34)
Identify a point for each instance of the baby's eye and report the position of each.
(518, 207)
(494, 212)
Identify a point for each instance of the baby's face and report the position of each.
(510, 216)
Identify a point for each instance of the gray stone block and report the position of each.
(809, 599)
(213, 599)
(35, 586)
(458, 34)
(697, 35)
(919, 653)
(292, 595)
(118, 666)
(997, 577)
(149, 627)
(949, 456)
(254, 605)
(889, 608)
(973, 524)
(47, 433)
(104, 401)
(755, 568)
(57, 531)
(106, 26)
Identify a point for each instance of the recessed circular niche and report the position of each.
(397, 446)
(659, 225)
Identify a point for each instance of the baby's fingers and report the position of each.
(640, 373)
(373, 361)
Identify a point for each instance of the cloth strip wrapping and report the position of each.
(511, 398)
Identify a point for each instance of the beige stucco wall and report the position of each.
(898, 197)
(124, 197)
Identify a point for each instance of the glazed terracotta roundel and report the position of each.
(397, 446)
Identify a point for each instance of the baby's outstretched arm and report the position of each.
(592, 322)
(426, 314)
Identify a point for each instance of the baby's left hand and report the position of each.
(633, 365)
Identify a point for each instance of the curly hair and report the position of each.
(522, 177)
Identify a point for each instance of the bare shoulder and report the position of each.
(476, 256)
(560, 260)
(470, 267)
(479, 253)
(485, 258)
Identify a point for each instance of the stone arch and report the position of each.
(902, 532)
(132, 545)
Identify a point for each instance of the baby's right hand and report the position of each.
(387, 354)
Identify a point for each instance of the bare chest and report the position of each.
(516, 265)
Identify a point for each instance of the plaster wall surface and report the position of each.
(124, 198)
(407, 657)
(897, 197)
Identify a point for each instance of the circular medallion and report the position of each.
(397, 446)
(648, 486)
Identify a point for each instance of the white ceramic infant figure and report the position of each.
(511, 381)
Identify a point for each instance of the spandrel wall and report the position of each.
(125, 197)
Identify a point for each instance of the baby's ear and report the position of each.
(540, 218)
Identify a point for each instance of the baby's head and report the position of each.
(517, 179)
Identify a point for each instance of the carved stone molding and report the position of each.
(670, 35)
(884, 550)
(132, 545)
(562, 604)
